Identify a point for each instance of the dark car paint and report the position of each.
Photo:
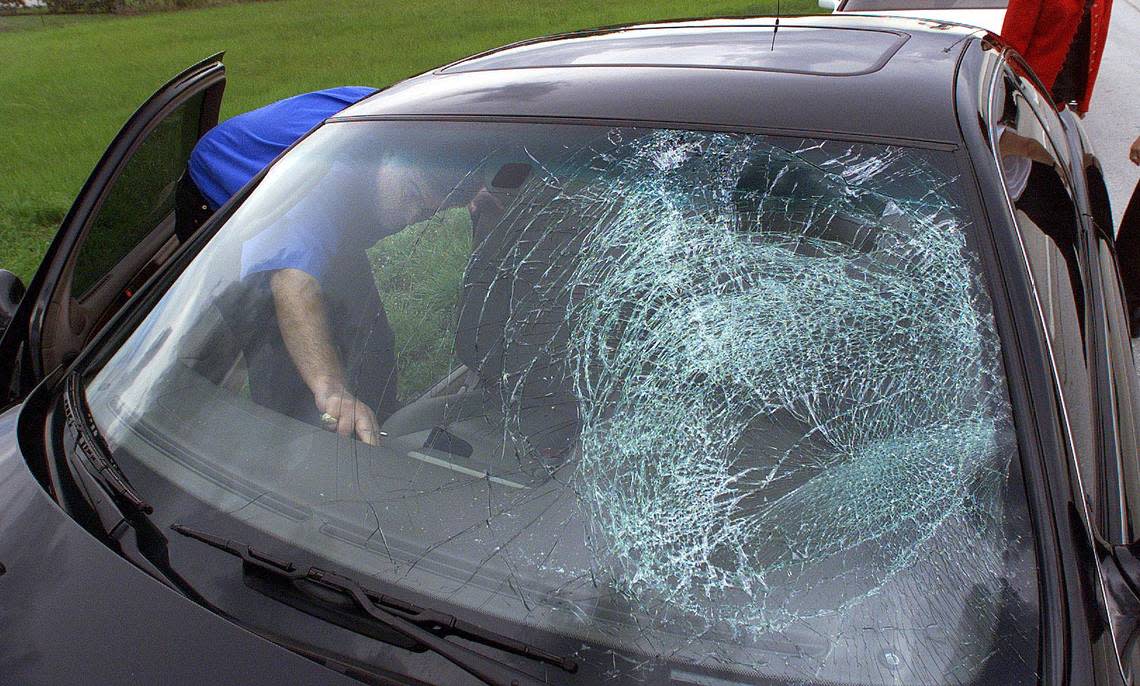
(53, 557)
(912, 95)
(72, 612)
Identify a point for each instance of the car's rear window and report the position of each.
(692, 405)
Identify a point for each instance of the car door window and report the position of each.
(128, 220)
(142, 198)
(1049, 227)
(1041, 103)
(1108, 347)
(1121, 466)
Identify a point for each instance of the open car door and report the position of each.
(136, 208)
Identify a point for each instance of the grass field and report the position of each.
(68, 83)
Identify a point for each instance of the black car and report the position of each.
(728, 351)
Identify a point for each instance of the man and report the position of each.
(308, 271)
(330, 359)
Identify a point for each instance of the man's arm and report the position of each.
(305, 329)
(1016, 145)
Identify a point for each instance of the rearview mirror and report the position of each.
(11, 292)
(829, 4)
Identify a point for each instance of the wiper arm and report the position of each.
(421, 626)
(106, 472)
(151, 544)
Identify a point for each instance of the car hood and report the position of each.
(73, 611)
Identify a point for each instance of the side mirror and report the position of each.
(829, 4)
(11, 292)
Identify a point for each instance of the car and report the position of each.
(986, 14)
(726, 351)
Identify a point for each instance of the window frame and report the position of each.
(52, 326)
(972, 237)
(1069, 567)
(1117, 521)
(1005, 72)
(119, 181)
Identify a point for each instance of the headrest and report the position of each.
(516, 290)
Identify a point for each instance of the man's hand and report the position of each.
(304, 326)
(352, 416)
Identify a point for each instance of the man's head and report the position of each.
(409, 193)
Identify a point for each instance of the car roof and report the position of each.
(836, 74)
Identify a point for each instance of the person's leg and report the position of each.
(1128, 255)
(274, 383)
(363, 336)
(371, 368)
(1069, 86)
(191, 209)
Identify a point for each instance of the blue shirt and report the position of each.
(236, 150)
(323, 233)
(324, 228)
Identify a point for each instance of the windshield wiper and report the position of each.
(418, 625)
(106, 471)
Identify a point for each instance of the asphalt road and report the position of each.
(1113, 121)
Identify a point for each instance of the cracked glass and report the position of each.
(690, 406)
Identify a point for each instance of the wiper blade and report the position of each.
(421, 626)
(106, 471)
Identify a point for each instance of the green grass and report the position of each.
(68, 83)
(32, 21)
(419, 273)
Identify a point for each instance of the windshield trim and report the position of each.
(1004, 268)
(124, 325)
(831, 135)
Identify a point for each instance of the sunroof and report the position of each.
(824, 51)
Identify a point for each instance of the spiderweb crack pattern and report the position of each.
(785, 370)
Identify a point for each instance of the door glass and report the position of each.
(1122, 382)
(1049, 228)
(1042, 106)
(142, 198)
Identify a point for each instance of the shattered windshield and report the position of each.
(695, 407)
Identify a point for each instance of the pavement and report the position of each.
(1113, 121)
